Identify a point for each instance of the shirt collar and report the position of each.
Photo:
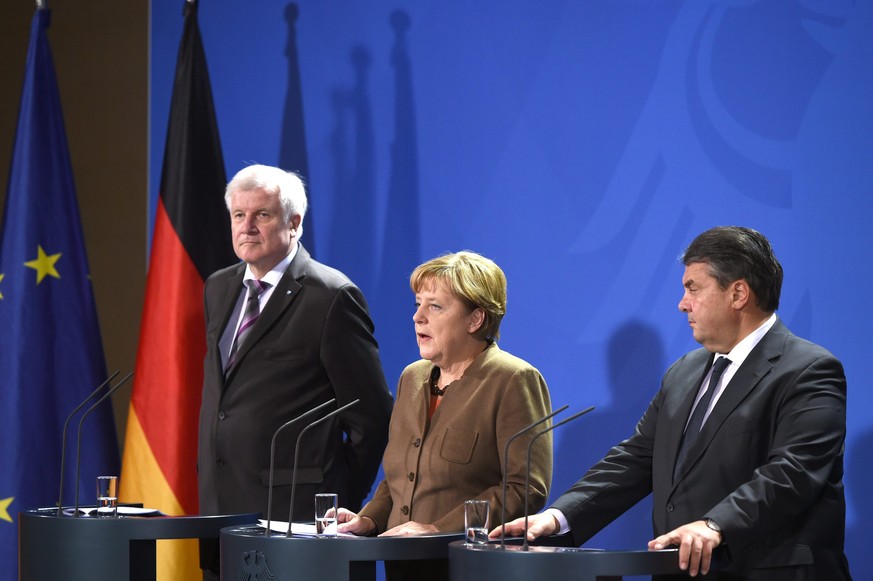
(275, 275)
(742, 349)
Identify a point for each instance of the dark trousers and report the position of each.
(425, 570)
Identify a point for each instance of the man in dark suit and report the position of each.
(763, 475)
(284, 334)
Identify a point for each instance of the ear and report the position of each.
(294, 224)
(477, 319)
(741, 294)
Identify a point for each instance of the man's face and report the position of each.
(714, 320)
(261, 237)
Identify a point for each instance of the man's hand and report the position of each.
(539, 525)
(410, 528)
(695, 541)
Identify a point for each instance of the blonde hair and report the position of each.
(473, 278)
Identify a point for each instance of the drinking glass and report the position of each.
(107, 497)
(325, 514)
(476, 521)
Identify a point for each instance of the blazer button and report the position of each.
(670, 508)
(221, 415)
(417, 442)
(411, 476)
(219, 461)
(404, 510)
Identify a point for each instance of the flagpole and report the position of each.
(191, 221)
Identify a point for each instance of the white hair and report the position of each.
(275, 182)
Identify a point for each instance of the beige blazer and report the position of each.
(430, 470)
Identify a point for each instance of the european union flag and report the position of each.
(51, 356)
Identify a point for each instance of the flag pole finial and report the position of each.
(41, 4)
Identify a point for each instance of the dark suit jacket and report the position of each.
(767, 466)
(313, 342)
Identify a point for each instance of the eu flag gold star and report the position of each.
(4, 506)
(44, 265)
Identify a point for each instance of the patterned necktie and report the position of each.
(250, 316)
(696, 421)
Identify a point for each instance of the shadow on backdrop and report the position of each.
(352, 245)
(292, 149)
(636, 363)
(401, 245)
(858, 476)
(392, 302)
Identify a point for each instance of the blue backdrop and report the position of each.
(581, 145)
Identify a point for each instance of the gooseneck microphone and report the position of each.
(64, 437)
(273, 455)
(297, 456)
(109, 392)
(506, 468)
(527, 471)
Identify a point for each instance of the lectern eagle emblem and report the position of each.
(253, 567)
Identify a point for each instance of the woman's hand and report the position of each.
(410, 528)
(350, 522)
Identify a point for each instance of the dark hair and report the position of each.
(733, 253)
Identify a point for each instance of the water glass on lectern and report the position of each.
(476, 521)
(107, 497)
(325, 514)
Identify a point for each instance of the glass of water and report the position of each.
(476, 513)
(325, 514)
(107, 497)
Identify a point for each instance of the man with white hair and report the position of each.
(284, 334)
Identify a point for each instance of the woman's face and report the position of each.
(444, 325)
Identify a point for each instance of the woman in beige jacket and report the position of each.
(455, 410)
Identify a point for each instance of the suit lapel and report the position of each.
(226, 296)
(229, 295)
(755, 368)
(281, 300)
(689, 392)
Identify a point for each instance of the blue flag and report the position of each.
(51, 356)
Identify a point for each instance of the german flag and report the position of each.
(191, 239)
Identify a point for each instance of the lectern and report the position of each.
(492, 563)
(105, 549)
(247, 553)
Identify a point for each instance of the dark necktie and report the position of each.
(250, 316)
(696, 421)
